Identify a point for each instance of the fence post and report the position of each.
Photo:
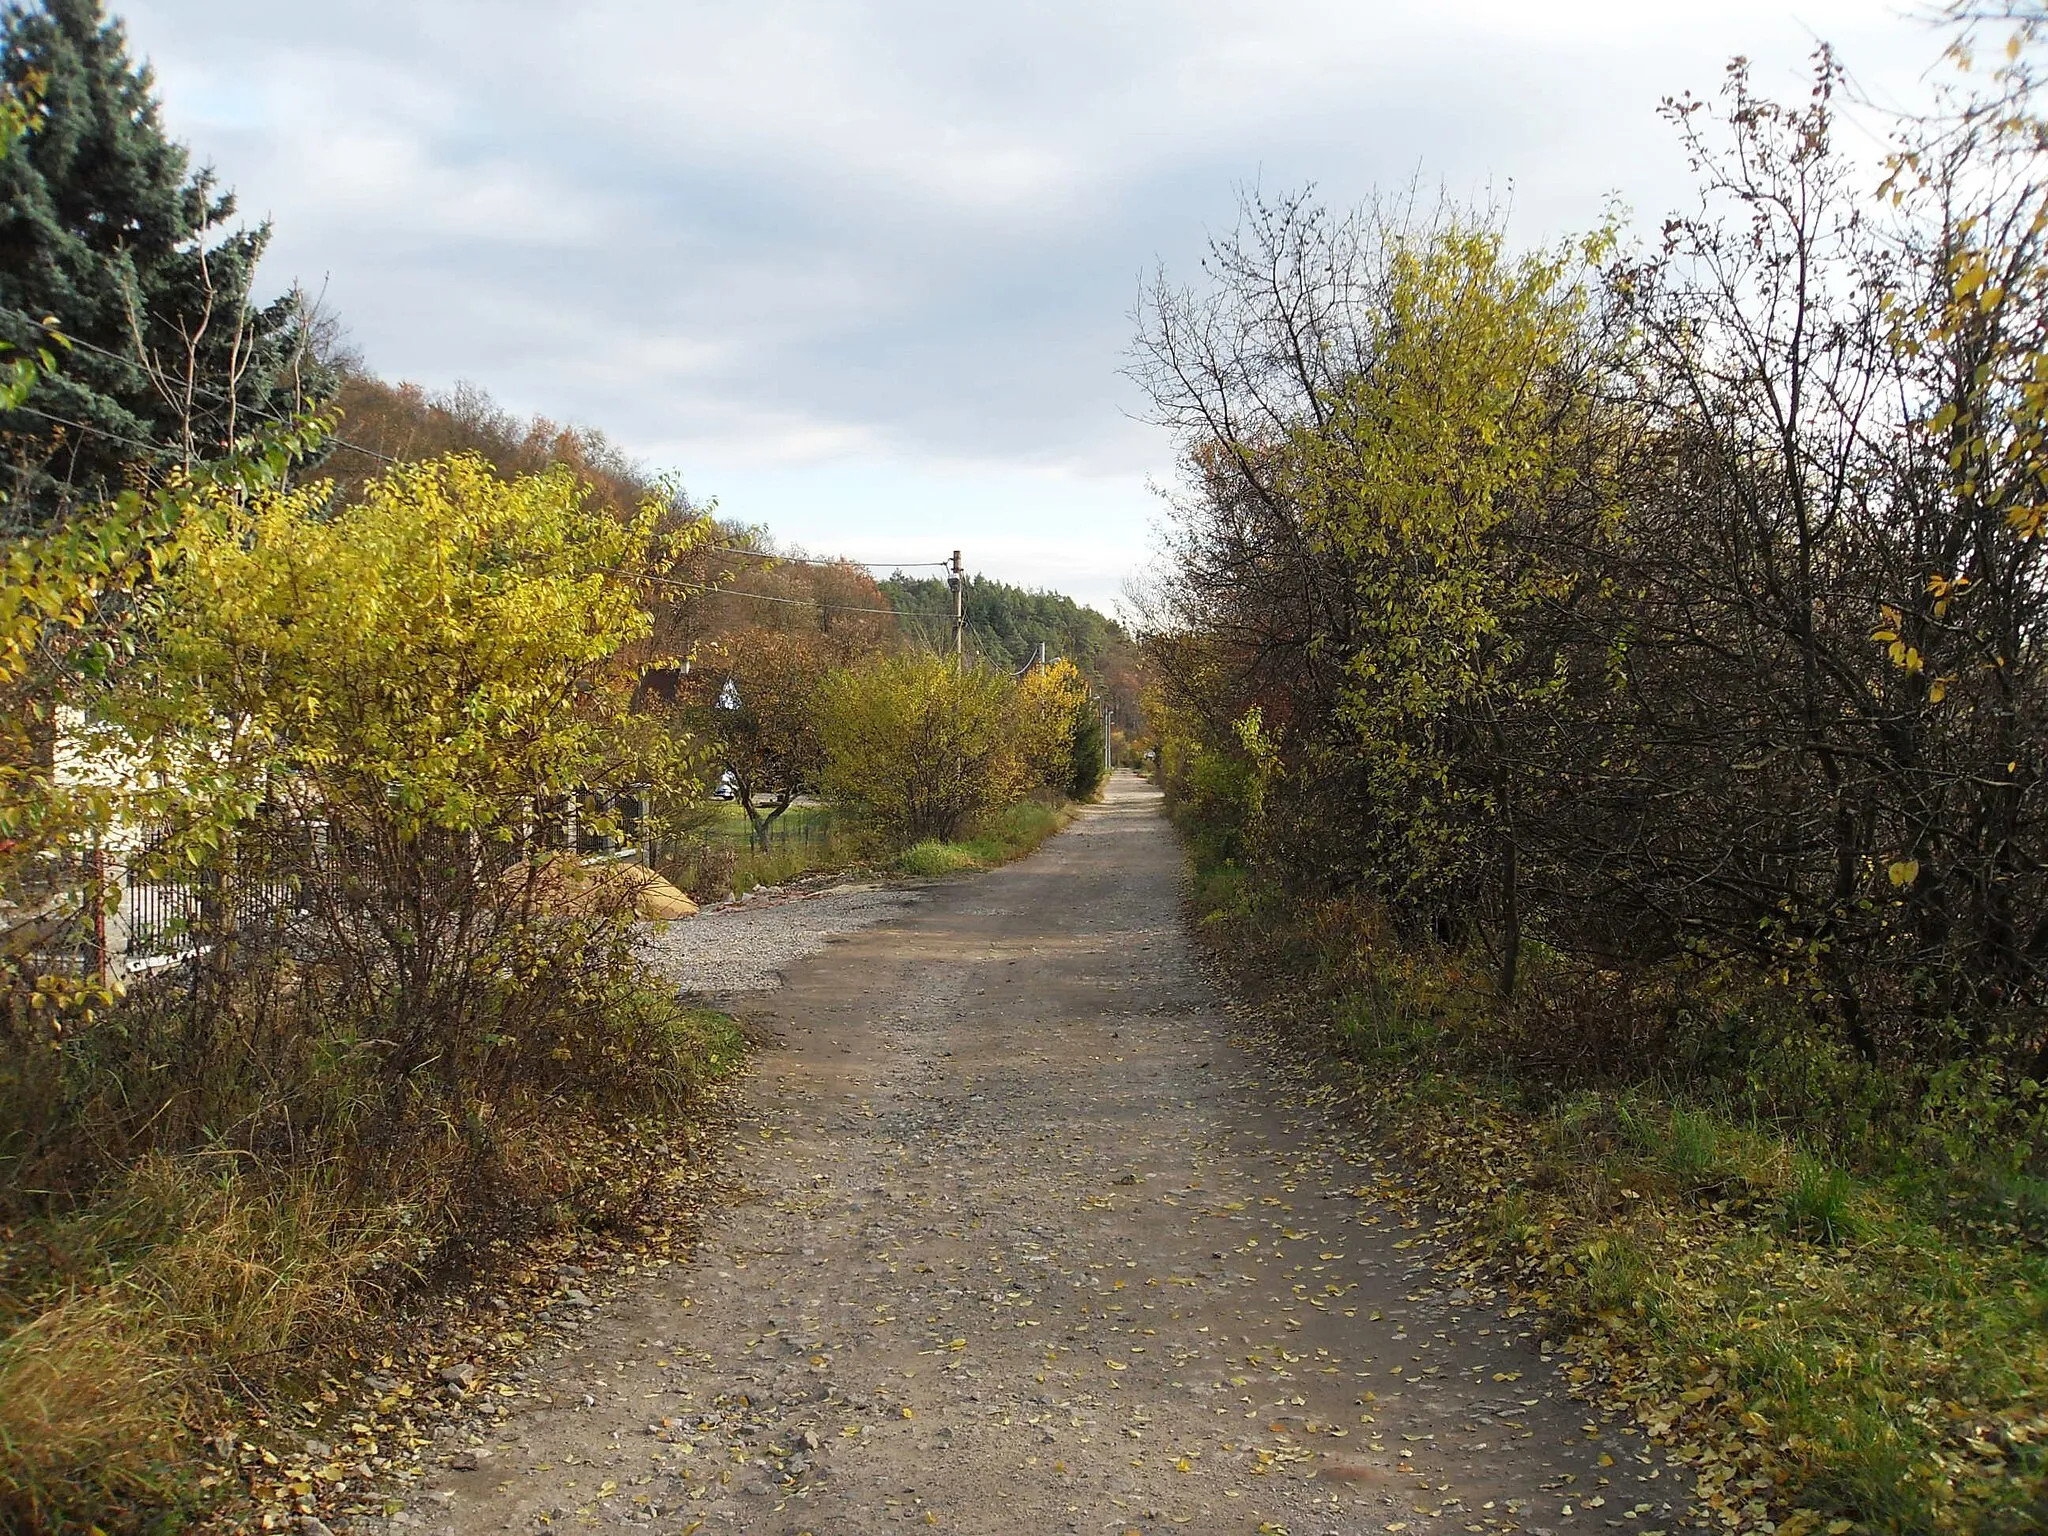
(96, 883)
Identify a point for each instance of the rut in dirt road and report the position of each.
(1028, 1242)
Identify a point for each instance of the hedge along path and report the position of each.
(1024, 1239)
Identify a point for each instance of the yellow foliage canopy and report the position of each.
(441, 651)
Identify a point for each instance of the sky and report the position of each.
(865, 270)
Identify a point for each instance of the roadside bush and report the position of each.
(1611, 683)
(1476, 601)
(1086, 771)
(923, 747)
(1050, 703)
(405, 1020)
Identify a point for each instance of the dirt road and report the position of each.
(1029, 1242)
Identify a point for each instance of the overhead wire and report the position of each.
(85, 426)
(763, 554)
(793, 602)
(342, 442)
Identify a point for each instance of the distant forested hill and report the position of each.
(1005, 624)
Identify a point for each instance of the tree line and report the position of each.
(1007, 624)
(1656, 626)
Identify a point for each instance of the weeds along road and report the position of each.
(1026, 1241)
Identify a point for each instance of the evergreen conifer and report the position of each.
(105, 228)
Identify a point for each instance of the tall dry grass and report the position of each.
(164, 1292)
(137, 1314)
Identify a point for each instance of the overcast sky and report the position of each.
(865, 271)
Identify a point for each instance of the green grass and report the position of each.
(1007, 834)
(1844, 1337)
(729, 823)
(723, 861)
(1821, 1203)
(1690, 1149)
(728, 864)
(1760, 1307)
(934, 860)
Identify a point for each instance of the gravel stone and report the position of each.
(743, 946)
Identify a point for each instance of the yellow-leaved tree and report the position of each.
(922, 745)
(348, 754)
(1049, 705)
(392, 708)
(1422, 476)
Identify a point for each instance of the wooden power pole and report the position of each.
(959, 611)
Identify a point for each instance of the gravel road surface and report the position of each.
(745, 946)
(1027, 1237)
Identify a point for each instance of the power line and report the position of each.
(762, 554)
(159, 449)
(793, 602)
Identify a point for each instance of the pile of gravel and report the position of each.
(743, 946)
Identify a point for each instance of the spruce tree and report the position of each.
(105, 228)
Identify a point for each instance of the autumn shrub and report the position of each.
(188, 1257)
(926, 748)
(1048, 713)
(919, 745)
(407, 1020)
(359, 727)
(1531, 596)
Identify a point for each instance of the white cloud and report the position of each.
(867, 267)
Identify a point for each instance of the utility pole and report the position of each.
(959, 612)
(1108, 763)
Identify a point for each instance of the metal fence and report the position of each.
(139, 905)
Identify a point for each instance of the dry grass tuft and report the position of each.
(88, 1415)
(192, 1275)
